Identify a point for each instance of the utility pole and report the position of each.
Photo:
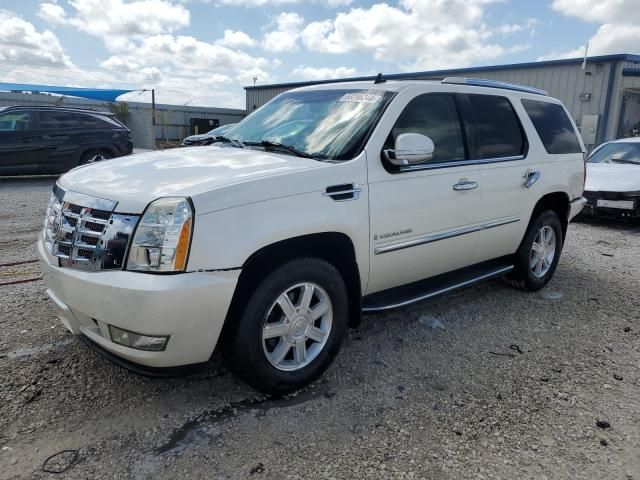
(153, 106)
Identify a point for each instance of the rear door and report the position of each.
(61, 133)
(19, 149)
(499, 146)
(421, 219)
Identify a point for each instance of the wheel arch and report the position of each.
(334, 247)
(559, 203)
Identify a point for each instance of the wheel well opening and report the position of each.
(333, 247)
(557, 202)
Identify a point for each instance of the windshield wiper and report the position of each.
(281, 146)
(231, 141)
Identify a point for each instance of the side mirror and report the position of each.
(410, 149)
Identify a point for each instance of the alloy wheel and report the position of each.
(543, 251)
(297, 326)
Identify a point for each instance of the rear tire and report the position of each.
(292, 327)
(537, 258)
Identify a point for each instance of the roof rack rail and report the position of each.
(479, 82)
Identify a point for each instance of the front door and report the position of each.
(422, 217)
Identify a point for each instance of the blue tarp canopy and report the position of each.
(106, 95)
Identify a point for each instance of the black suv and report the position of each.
(35, 140)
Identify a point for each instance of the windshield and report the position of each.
(221, 130)
(617, 153)
(323, 124)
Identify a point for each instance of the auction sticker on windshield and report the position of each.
(361, 98)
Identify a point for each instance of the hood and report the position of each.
(612, 177)
(135, 180)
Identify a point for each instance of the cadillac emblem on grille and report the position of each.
(87, 237)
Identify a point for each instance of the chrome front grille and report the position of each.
(84, 232)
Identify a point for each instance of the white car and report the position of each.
(613, 180)
(329, 201)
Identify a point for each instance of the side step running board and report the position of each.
(425, 289)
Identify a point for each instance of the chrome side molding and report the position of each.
(435, 237)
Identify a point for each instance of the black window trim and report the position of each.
(463, 109)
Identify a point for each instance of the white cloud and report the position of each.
(610, 11)
(323, 73)
(146, 52)
(260, 3)
(255, 3)
(114, 19)
(619, 28)
(52, 12)
(285, 37)
(236, 39)
(419, 34)
(21, 43)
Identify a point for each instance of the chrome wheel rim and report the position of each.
(543, 251)
(297, 326)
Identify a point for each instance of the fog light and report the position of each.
(137, 341)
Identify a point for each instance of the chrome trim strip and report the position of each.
(88, 201)
(461, 163)
(435, 237)
(440, 291)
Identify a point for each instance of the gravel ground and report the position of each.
(485, 383)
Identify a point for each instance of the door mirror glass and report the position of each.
(410, 149)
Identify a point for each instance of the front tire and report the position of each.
(537, 258)
(292, 327)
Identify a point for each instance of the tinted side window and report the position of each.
(495, 127)
(435, 116)
(98, 121)
(16, 121)
(553, 126)
(58, 120)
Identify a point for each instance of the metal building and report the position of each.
(603, 96)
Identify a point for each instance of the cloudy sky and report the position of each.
(201, 52)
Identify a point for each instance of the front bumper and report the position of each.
(617, 205)
(190, 308)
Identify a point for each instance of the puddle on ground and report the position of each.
(206, 424)
(39, 350)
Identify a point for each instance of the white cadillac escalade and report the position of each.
(327, 202)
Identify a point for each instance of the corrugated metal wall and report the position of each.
(568, 83)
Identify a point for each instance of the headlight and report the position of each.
(51, 224)
(162, 238)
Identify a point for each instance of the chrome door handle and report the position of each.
(531, 177)
(465, 185)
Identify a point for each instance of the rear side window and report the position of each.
(495, 127)
(58, 120)
(91, 120)
(553, 126)
(436, 116)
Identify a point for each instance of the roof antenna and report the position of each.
(379, 79)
